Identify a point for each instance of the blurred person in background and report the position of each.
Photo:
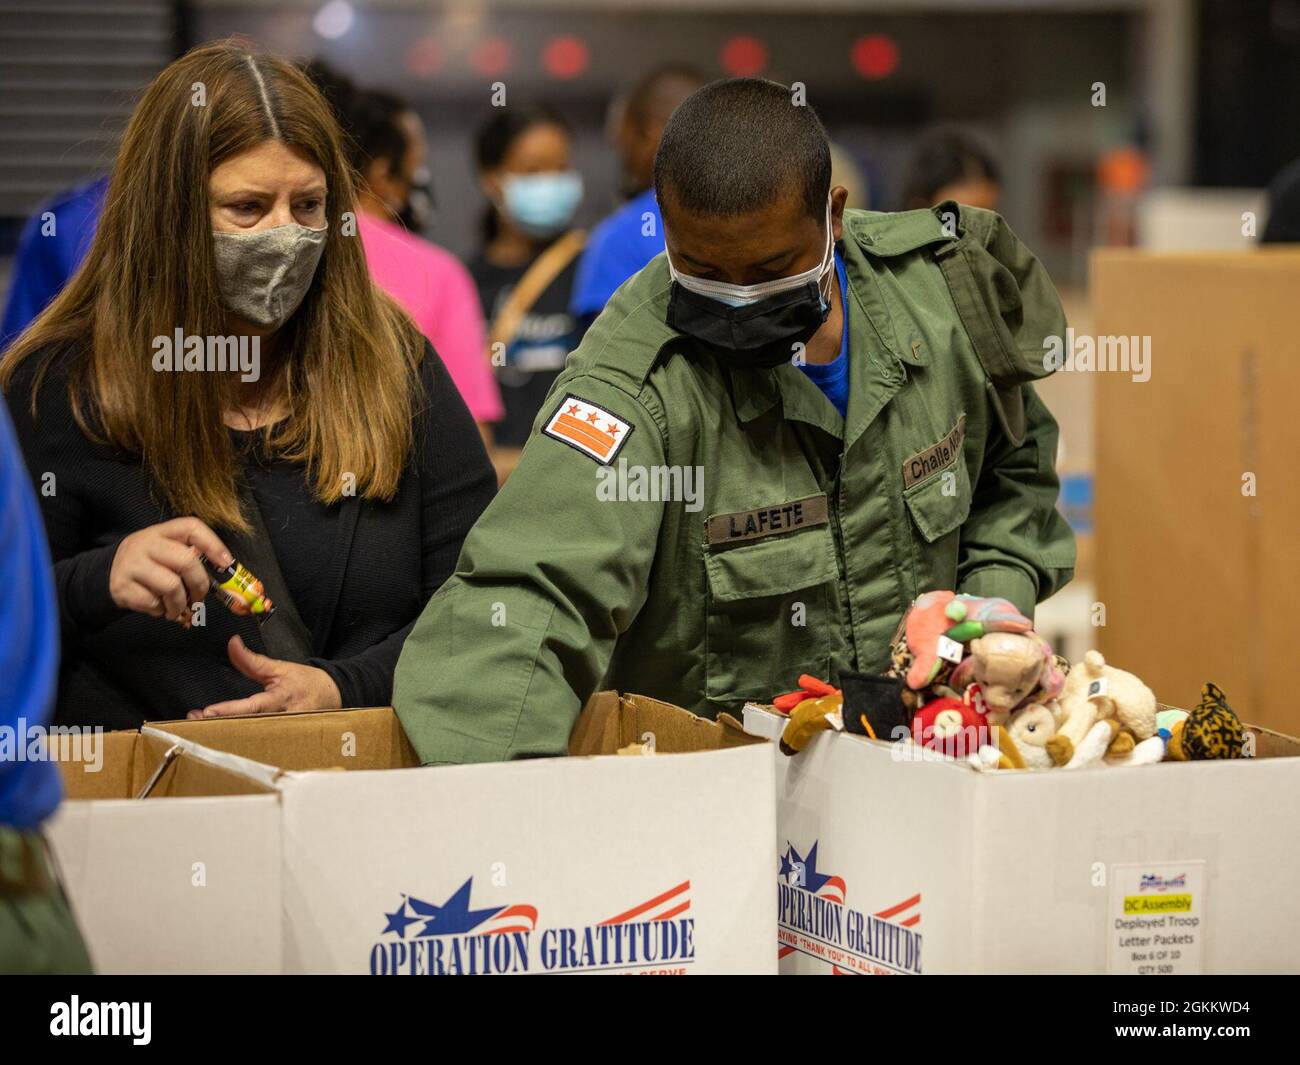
(387, 148)
(633, 235)
(37, 930)
(525, 269)
(344, 470)
(951, 164)
(50, 248)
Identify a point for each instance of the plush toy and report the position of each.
(874, 705)
(1211, 731)
(1096, 692)
(959, 618)
(953, 726)
(1097, 741)
(1029, 729)
(1148, 752)
(1022, 744)
(809, 688)
(1001, 753)
(808, 718)
(1010, 668)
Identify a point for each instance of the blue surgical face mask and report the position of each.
(542, 204)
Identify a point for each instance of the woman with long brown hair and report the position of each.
(222, 380)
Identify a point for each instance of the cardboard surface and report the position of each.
(1196, 577)
(899, 864)
(367, 738)
(185, 881)
(658, 864)
(609, 722)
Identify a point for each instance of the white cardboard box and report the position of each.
(185, 881)
(926, 866)
(636, 864)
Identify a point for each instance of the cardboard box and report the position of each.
(184, 881)
(896, 860)
(632, 864)
(1197, 498)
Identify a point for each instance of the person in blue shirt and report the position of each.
(833, 377)
(37, 931)
(50, 248)
(633, 235)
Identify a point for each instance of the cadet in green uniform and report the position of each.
(693, 518)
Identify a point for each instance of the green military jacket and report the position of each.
(793, 539)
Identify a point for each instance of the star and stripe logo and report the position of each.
(454, 917)
(664, 907)
(833, 932)
(587, 428)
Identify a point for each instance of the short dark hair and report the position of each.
(737, 145)
(943, 156)
(369, 118)
(664, 83)
(504, 125)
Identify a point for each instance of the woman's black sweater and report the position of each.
(359, 571)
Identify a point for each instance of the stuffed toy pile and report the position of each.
(970, 679)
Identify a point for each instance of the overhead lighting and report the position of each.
(334, 19)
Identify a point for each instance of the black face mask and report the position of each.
(417, 212)
(759, 335)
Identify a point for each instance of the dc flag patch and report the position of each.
(588, 428)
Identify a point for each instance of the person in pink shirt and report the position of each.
(439, 294)
(387, 147)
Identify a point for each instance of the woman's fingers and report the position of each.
(156, 570)
(182, 560)
(261, 703)
(251, 664)
(138, 598)
(165, 585)
(193, 532)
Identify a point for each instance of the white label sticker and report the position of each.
(950, 650)
(1156, 922)
(1097, 688)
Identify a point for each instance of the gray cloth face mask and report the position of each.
(264, 275)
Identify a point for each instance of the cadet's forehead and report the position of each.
(750, 236)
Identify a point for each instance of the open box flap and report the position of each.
(367, 738)
(220, 762)
(125, 762)
(609, 722)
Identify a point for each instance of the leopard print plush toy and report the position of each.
(1211, 731)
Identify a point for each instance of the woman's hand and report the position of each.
(157, 571)
(289, 686)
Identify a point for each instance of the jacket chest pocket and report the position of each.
(939, 507)
(773, 613)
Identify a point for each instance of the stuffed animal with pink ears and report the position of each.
(1012, 669)
(960, 618)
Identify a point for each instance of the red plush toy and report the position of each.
(953, 726)
(809, 688)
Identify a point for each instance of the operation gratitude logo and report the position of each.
(454, 939)
(813, 919)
